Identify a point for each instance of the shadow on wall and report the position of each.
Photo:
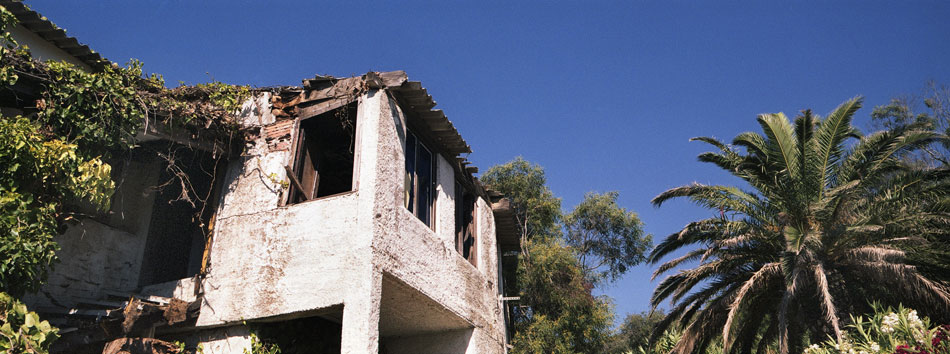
(456, 341)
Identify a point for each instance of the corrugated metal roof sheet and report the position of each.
(49, 32)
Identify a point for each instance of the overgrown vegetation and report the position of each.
(56, 153)
(888, 330)
(21, 330)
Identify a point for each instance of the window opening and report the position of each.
(176, 234)
(324, 155)
(420, 180)
(465, 237)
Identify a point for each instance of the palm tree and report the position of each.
(833, 221)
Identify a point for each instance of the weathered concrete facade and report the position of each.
(360, 259)
(401, 283)
(403, 257)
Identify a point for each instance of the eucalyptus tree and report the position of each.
(833, 220)
(607, 238)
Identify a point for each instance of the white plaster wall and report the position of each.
(43, 50)
(360, 327)
(269, 261)
(253, 184)
(94, 256)
(458, 341)
(426, 260)
(445, 204)
(226, 340)
(279, 261)
(182, 289)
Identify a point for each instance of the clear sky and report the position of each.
(604, 95)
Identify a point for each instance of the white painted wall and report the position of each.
(43, 50)
(107, 254)
(269, 261)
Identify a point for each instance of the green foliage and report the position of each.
(260, 347)
(554, 283)
(665, 344)
(607, 238)
(536, 208)
(21, 330)
(39, 174)
(565, 317)
(558, 313)
(828, 225)
(99, 112)
(888, 330)
(634, 332)
(7, 43)
(102, 111)
(905, 112)
(55, 157)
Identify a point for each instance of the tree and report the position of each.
(564, 317)
(537, 210)
(905, 112)
(635, 332)
(607, 238)
(828, 226)
(559, 314)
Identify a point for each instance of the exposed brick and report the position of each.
(279, 146)
(278, 130)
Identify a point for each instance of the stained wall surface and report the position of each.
(103, 254)
(270, 261)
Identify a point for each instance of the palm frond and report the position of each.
(755, 281)
(830, 137)
(827, 302)
(782, 149)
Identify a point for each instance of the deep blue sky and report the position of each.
(603, 95)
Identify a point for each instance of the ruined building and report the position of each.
(348, 222)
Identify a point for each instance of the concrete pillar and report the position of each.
(361, 303)
(361, 314)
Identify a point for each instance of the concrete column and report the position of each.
(361, 303)
(361, 314)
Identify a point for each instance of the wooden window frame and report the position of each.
(309, 187)
(414, 148)
(466, 219)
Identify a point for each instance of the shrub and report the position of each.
(896, 331)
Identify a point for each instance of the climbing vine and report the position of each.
(55, 153)
(21, 330)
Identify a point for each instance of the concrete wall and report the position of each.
(225, 340)
(96, 256)
(426, 259)
(457, 341)
(271, 262)
(43, 50)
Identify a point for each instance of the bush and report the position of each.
(899, 331)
